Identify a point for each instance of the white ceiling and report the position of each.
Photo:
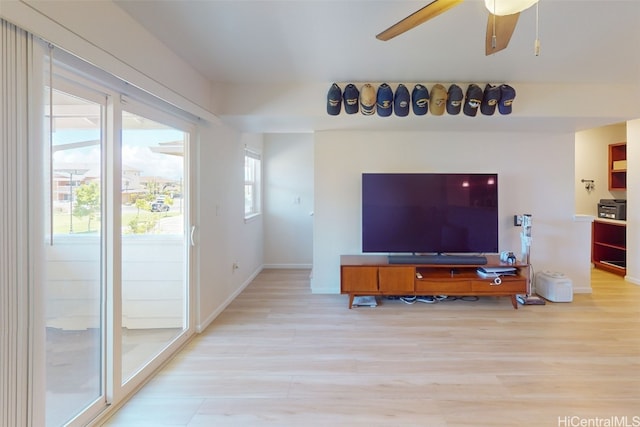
(303, 41)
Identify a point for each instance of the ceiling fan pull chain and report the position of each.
(536, 45)
(493, 37)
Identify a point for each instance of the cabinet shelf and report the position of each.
(618, 166)
(609, 246)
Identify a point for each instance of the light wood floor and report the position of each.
(280, 356)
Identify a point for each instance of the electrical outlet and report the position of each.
(517, 220)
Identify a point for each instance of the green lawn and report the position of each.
(61, 222)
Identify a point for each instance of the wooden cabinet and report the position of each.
(618, 166)
(609, 245)
(363, 275)
(396, 280)
(358, 279)
(376, 280)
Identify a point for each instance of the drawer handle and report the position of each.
(496, 282)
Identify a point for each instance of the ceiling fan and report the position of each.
(502, 20)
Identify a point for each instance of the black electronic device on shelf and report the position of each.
(612, 209)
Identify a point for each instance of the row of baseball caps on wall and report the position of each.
(384, 101)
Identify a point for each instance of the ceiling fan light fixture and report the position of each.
(507, 7)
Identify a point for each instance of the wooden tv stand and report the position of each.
(372, 275)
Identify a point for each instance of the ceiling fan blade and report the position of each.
(504, 27)
(421, 16)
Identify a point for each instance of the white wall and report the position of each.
(223, 237)
(288, 200)
(536, 175)
(591, 160)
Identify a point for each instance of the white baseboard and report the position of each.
(633, 280)
(325, 291)
(289, 266)
(202, 326)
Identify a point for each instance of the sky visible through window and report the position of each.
(136, 152)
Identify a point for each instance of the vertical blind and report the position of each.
(16, 48)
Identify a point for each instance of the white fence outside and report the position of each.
(153, 272)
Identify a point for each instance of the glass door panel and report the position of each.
(154, 266)
(73, 267)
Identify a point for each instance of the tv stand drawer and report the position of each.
(438, 287)
(505, 286)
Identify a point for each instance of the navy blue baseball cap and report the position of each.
(454, 99)
(420, 100)
(401, 101)
(334, 100)
(473, 100)
(490, 99)
(384, 100)
(507, 95)
(351, 98)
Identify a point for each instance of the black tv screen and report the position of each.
(430, 213)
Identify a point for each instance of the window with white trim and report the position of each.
(252, 183)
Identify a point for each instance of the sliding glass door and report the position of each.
(154, 280)
(74, 285)
(116, 257)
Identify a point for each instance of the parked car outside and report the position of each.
(159, 206)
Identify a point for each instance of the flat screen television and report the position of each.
(430, 213)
